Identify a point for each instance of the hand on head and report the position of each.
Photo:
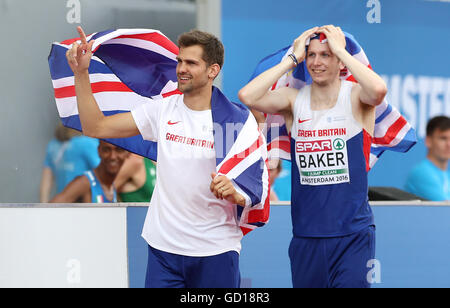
(335, 38)
(300, 43)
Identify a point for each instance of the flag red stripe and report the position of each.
(70, 41)
(274, 86)
(367, 144)
(97, 87)
(283, 145)
(174, 92)
(245, 230)
(351, 78)
(155, 38)
(152, 37)
(236, 159)
(391, 132)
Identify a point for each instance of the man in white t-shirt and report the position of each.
(191, 226)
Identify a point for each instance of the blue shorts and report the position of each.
(335, 262)
(168, 270)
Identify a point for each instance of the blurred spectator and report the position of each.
(275, 165)
(68, 155)
(260, 118)
(275, 168)
(136, 179)
(430, 179)
(96, 186)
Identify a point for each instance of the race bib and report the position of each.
(323, 160)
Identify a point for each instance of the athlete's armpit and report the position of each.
(363, 113)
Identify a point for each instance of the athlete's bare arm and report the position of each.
(46, 185)
(132, 174)
(78, 188)
(363, 113)
(93, 122)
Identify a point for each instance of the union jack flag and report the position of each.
(130, 67)
(392, 131)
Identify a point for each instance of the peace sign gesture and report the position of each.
(79, 56)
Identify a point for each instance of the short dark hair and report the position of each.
(213, 50)
(441, 123)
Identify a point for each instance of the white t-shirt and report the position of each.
(184, 216)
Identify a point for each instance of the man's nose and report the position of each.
(317, 61)
(181, 68)
(113, 154)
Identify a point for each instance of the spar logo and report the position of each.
(313, 146)
(338, 144)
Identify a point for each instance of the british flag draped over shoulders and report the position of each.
(130, 67)
(392, 131)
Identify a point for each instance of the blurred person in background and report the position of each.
(136, 179)
(68, 155)
(97, 185)
(430, 179)
(275, 168)
(275, 165)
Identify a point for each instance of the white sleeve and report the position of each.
(147, 118)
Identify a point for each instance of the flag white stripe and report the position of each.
(385, 124)
(247, 136)
(69, 81)
(143, 44)
(244, 164)
(107, 101)
(381, 109)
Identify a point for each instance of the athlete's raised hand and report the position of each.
(335, 37)
(79, 56)
(300, 44)
(223, 188)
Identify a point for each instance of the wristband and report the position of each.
(294, 58)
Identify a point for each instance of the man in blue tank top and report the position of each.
(68, 155)
(97, 185)
(430, 179)
(331, 123)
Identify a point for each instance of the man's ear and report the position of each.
(214, 71)
(428, 142)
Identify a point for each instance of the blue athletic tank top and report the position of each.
(330, 160)
(97, 194)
